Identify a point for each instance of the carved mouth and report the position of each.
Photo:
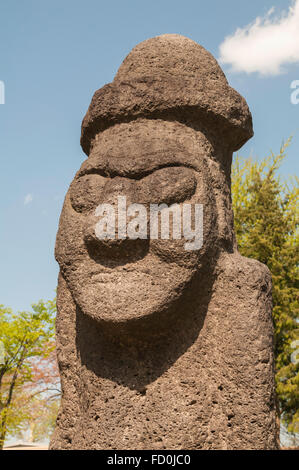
(114, 254)
(113, 277)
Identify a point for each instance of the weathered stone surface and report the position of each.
(170, 75)
(160, 347)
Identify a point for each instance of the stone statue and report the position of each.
(160, 347)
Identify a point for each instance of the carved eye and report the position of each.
(86, 192)
(169, 185)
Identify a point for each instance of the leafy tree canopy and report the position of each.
(25, 337)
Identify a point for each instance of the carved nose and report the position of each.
(106, 228)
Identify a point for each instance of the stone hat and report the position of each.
(170, 76)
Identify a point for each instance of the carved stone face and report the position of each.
(148, 162)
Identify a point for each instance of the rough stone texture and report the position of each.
(159, 347)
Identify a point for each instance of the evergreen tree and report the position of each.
(266, 224)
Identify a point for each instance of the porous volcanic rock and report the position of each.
(159, 346)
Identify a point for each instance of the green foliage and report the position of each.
(25, 337)
(266, 224)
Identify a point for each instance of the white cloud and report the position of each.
(266, 45)
(28, 199)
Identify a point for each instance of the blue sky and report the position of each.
(55, 54)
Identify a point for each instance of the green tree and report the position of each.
(266, 224)
(25, 337)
